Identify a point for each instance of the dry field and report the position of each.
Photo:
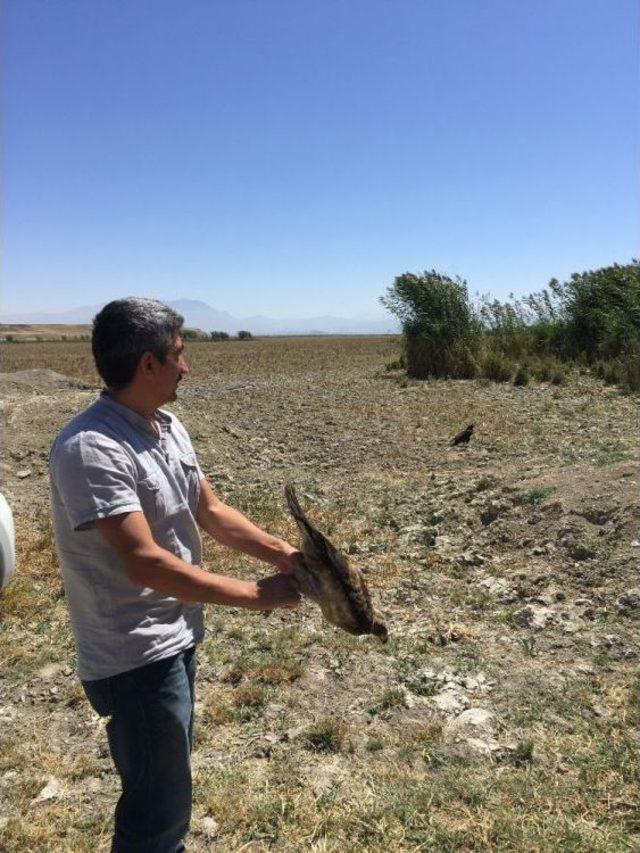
(502, 714)
(45, 331)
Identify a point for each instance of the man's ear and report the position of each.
(148, 364)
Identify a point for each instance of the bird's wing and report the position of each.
(350, 580)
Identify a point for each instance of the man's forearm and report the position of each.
(167, 573)
(148, 564)
(233, 529)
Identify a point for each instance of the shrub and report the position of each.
(559, 376)
(484, 483)
(612, 373)
(398, 364)
(327, 735)
(593, 319)
(630, 368)
(219, 336)
(544, 369)
(537, 496)
(497, 368)
(243, 335)
(505, 327)
(522, 376)
(441, 333)
(603, 310)
(191, 334)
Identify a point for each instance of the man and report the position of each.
(128, 497)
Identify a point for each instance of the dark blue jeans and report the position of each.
(150, 737)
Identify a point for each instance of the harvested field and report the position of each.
(20, 332)
(503, 712)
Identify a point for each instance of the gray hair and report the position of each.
(127, 328)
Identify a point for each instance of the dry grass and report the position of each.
(208, 359)
(311, 739)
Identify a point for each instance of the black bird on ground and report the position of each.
(463, 436)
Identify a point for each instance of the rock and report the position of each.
(324, 778)
(8, 776)
(500, 588)
(450, 701)
(580, 551)
(532, 616)
(50, 671)
(491, 511)
(443, 543)
(474, 721)
(471, 558)
(207, 827)
(474, 733)
(26, 472)
(264, 747)
(538, 550)
(493, 585)
(598, 515)
(629, 601)
(475, 747)
(53, 790)
(426, 673)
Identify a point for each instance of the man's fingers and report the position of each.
(278, 591)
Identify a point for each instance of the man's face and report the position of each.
(173, 369)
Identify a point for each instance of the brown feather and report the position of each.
(328, 579)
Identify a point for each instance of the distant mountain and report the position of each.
(74, 316)
(200, 315)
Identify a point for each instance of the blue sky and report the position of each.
(290, 158)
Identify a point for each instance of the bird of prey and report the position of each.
(463, 436)
(327, 578)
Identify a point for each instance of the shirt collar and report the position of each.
(162, 418)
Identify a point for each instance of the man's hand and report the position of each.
(289, 560)
(277, 591)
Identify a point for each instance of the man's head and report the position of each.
(139, 340)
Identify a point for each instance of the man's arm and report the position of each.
(147, 564)
(232, 528)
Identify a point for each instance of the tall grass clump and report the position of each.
(522, 376)
(441, 333)
(592, 320)
(602, 308)
(599, 312)
(497, 368)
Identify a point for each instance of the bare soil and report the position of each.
(44, 331)
(501, 715)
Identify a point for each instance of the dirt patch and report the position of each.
(38, 380)
(500, 715)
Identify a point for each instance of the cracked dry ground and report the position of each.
(501, 715)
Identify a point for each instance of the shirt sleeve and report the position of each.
(95, 478)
